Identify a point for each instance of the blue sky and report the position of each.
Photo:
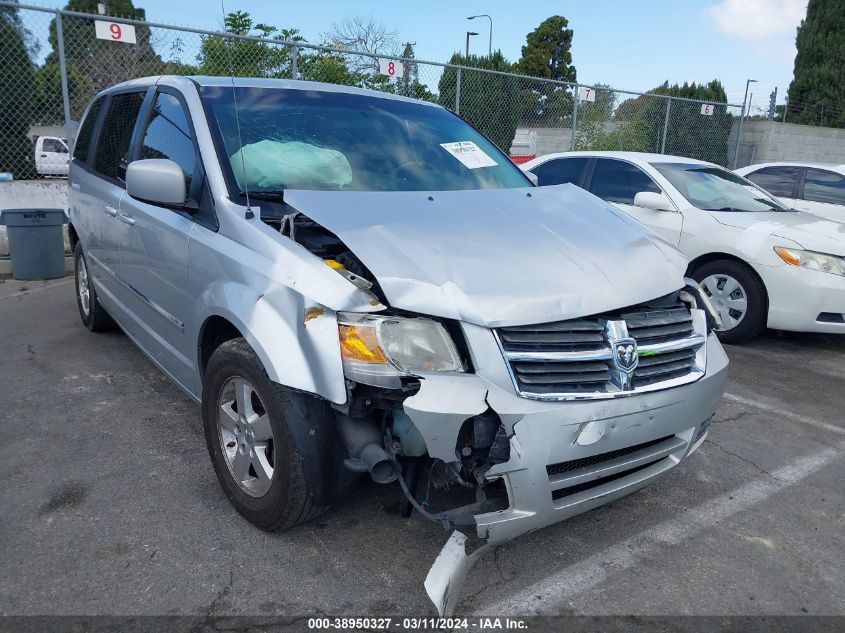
(629, 44)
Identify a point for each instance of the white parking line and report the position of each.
(825, 426)
(552, 593)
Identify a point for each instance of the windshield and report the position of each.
(716, 189)
(309, 139)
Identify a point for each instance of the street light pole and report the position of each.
(469, 33)
(741, 121)
(490, 39)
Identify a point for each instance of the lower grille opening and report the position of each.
(587, 485)
(830, 317)
(593, 460)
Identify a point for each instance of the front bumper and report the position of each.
(544, 434)
(797, 296)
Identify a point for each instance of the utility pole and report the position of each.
(772, 98)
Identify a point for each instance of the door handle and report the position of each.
(128, 219)
(110, 210)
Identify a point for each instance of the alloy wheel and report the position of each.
(246, 436)
(729, 298)
(82, 287)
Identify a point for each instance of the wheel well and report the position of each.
(215, 331)
(712, 257)
(73, 238)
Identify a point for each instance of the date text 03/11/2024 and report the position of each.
(410, 624)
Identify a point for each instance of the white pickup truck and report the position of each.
(51, 156)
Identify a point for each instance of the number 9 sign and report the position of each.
(391, 68)
(114, 31)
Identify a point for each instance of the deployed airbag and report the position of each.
(279, 164)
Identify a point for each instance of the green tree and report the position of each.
(247, 58)
(547, 54)
(547, 51)
(817, 91)
(637, 124)
(489, 102)
(105, 63)
(17, 85)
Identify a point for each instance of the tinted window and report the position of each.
(559, 171)
(326, 140)
(778, 181)
(112, 153)
(824, 186)
(617, 181)
(83, 137)
(168, 135)
(54, 145)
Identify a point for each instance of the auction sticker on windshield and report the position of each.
(470, 154)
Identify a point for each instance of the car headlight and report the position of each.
(812, 260)
(702, 302)
(378, 350)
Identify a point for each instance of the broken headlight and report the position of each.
(378, 350)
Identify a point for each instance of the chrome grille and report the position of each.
(574, 359)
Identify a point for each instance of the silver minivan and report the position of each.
(352, 282)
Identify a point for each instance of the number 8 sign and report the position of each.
(114, 31)
(391, 67)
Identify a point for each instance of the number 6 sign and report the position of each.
(707, 109)
(391, 67)
(114, 31)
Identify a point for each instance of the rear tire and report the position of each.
(270, 448)
(92, 313)
(738, 295)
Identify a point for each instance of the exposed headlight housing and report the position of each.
(702, 302)
(813, 261)
(379, 350)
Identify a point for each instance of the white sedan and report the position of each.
(818, 188)
(761, 262)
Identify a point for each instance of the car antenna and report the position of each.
(249, 214)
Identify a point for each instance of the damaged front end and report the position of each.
(523, 424)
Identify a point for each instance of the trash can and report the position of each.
(36, 242)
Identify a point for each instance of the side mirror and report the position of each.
(156, 180)
(532, 177)
(652, 200)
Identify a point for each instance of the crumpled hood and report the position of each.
(809, 231)
(499, 257)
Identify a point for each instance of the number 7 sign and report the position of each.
(114, 31)
(587, 94)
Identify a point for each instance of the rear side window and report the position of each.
(618, 181)
(824, 186)
(168, 135)
(112, 153)
(778, 181)
(83, 137)
(559, 171)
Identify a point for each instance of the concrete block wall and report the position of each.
(25, 194)
(773, 141)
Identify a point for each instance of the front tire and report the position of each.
(263, 444)
(92, 313)
(739, 297)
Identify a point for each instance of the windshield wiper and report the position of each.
(265, 194)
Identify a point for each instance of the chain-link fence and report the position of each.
(53, 62)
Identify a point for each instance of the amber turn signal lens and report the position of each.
(360, 343)
(788, 256)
